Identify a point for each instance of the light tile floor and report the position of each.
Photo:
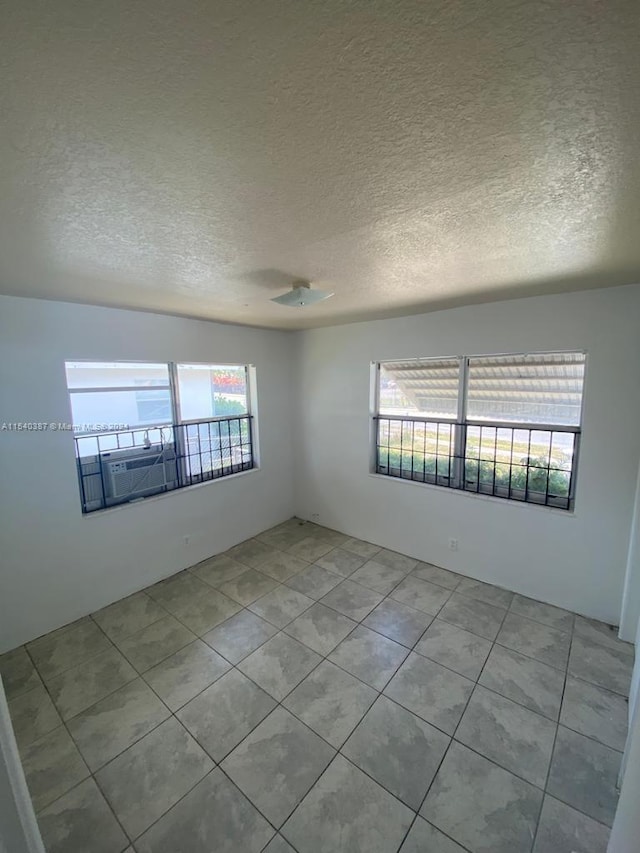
(314, 693)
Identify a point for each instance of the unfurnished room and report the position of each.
(319, 426)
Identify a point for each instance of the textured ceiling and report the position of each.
(194, 157)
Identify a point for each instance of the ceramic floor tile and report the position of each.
(81, 821)
(177, 589)
(282, 566)
(152, 775)
(115, 723)
(475, 616)
(454, 648)
(514, 737)
(204, 611)
(248, 586)
(600, 664)
(316, 585)
(158, 641)
(421, 594)
(52, 766)
(320, 628)
(600, 632)
(369, 656)
(128, 616)
(239, 636)
(57, 652)
(218, 570)
(314, 581)
(352, 600)
(311, 548)
(540, 612)
(395, 560)
(221, 716)
(482, 806)
(279, 665)
(378, 577)
(18, 672)
(434, 693)
(398, 749)
(535, 640)
(214, 816)
(595, 712)
(584, 775)
(533, 684)
(361, 548)
(341, 562)
(347, 811)
(281, 606)
(434, 574)
(282, 538)
(331, 702)
(279, 845)
(281, 750)
(84, 685)
(425, 838)
(333, 537)
(186, 673)
(486, 592)
(564, 830)
(399, 622)
(252, 553)
(33, 715)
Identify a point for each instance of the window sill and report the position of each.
(101, 513)
(564, 513)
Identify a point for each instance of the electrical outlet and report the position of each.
(453, 544)
(315, 516)
(187, 540)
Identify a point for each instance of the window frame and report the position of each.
(176, 426)
(461, 423)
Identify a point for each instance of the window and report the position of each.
(141, 429)
(507, 425)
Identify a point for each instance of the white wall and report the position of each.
(630, 615)
(57, 565)
(19, 831)
(575, 560)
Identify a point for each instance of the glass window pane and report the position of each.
(116, 374)
(427, 388)
(529, 389)
(211, 391)
(91, 410)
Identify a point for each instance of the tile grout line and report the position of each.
(555, 740)
(337, 751)
(452, 736)
(91, 774)
(173, 714)
(280, 705)
(281, 630)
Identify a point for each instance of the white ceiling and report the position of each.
(194, 157)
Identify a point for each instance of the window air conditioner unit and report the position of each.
(138, 472)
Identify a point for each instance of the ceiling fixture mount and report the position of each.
(301, 295)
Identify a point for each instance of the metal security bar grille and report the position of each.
(416, 450)
(505, 426)
(529, 465)
(121, 467)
